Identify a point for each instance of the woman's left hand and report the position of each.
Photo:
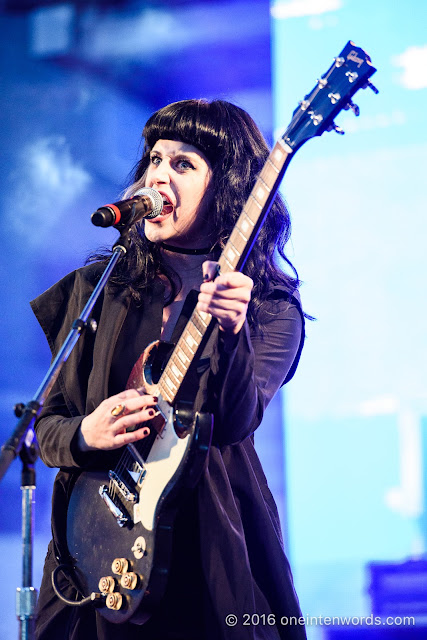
(226, 298)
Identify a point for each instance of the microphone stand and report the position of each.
(23, 442)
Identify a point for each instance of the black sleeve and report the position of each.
(246, 372)
(58, 424)
(57, 437)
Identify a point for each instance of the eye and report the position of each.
(184, 164)
(156, 160)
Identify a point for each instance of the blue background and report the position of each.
(354, 413)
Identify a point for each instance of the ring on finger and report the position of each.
(118, 410)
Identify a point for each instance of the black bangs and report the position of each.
(196, 122)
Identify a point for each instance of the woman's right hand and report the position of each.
(102, 430)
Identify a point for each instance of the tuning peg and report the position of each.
(351, 105)
(336, 128)
(352, 76)
(19, 409)
(371, 86)
(315, 117)
(334, 97)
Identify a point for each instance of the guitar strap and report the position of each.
(137, 329)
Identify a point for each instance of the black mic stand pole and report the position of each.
(23, 442)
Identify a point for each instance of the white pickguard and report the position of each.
(162, 462)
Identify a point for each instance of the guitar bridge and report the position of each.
(122, 519)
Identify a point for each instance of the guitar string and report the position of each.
(128, 460)
(276, 160)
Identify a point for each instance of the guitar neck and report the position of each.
(233, 258)
(349, 72)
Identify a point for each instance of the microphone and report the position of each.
(145, 203)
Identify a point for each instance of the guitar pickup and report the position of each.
(122, 487)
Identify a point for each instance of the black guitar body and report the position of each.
(119, 524)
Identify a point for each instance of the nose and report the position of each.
(160, 173)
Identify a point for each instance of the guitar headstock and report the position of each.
(349, 73)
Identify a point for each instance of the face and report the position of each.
(181, 174)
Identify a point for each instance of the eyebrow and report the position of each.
(180, 155)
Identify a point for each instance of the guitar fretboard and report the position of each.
(232, 258)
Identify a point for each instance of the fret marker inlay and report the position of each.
(278, 154)
(231, 254)
(170, 383)
(175, 371)
(189, 340)
(182, 356)
(204, 316)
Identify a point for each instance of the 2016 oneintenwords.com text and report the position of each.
(271, 619)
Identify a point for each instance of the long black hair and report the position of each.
(237, 151)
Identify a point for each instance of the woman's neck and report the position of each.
(188, 267)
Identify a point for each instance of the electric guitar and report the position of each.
(120, 523)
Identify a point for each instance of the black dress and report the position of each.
(228, 552)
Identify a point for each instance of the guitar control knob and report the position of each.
(114, 601)
(120, 566)
(139, 547)
(106, 584)
(129, 580)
